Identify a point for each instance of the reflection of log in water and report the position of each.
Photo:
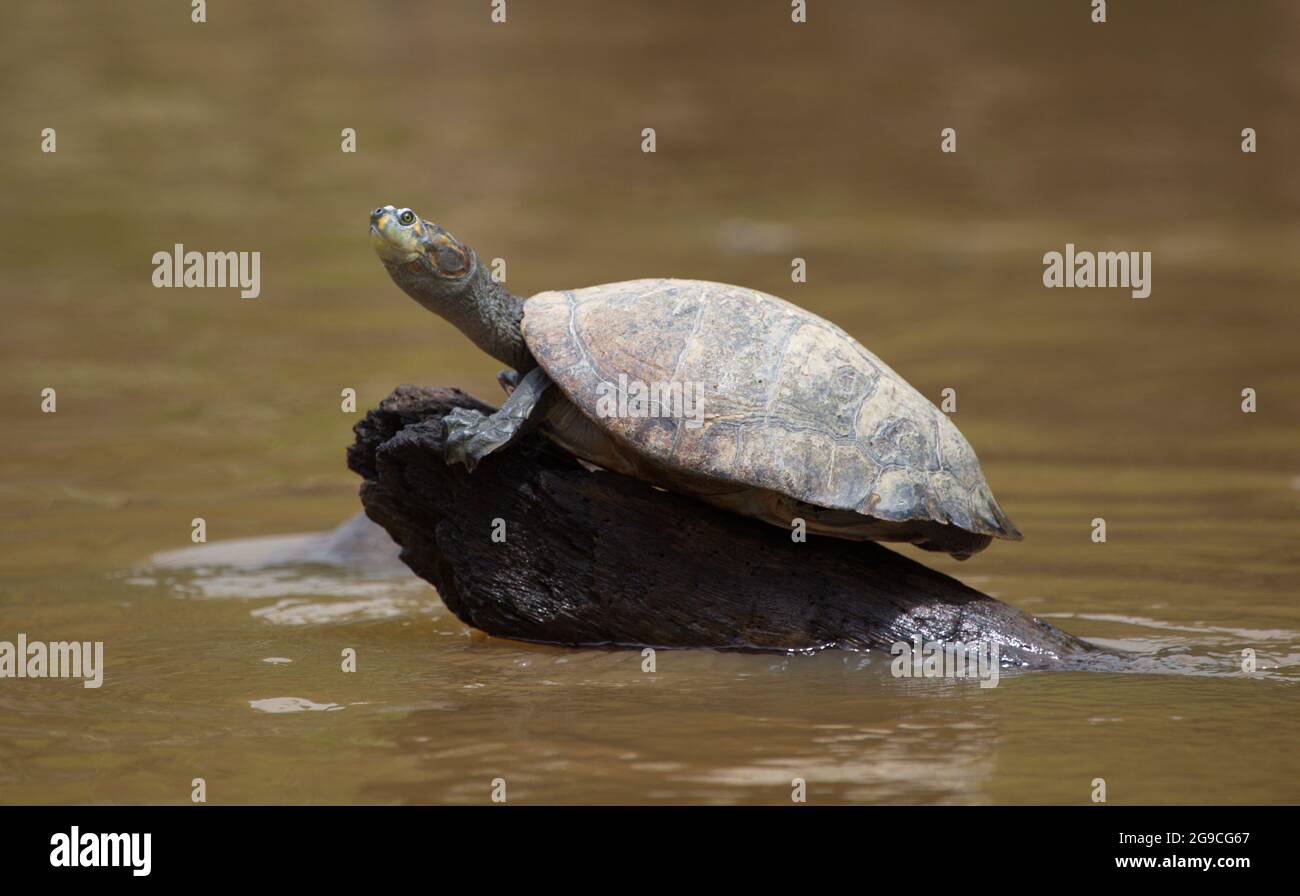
(599, 558)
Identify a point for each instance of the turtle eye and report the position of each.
(407, 218)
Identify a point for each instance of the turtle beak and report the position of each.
(393, 241)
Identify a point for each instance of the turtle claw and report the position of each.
(509, 380)
(460, 429)
(469, 436)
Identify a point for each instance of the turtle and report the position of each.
(722, 393)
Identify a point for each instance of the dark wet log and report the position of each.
(602, 559)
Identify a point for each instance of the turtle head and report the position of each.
(444, 275)
(424, 259)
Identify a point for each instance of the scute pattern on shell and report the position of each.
(791, 402)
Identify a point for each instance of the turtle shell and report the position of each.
(790, 402)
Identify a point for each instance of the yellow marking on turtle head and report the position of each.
(395, 242)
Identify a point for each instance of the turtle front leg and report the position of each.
(469, 436)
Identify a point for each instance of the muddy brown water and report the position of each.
(774, 141)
